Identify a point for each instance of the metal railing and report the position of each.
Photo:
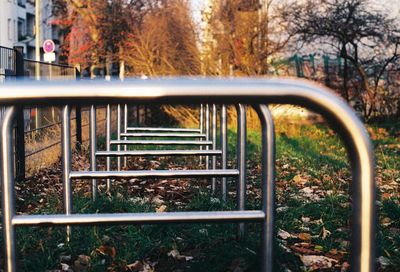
(48, 71)
(7, 62)
(251, 92)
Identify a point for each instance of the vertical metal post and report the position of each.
(268, 186)
(241, 163)
(145, 115)
(201, 129)
(20, 132)
(214, 145)
(66, 162)
(20, 145)
(119, 135)
(7, 180)
(224, 149)
(108, 145)
(137, 115)
(78, 124)
(207, 162)
(93, 148)
(125, 131)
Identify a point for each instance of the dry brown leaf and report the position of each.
(107, 250)
(304, 236)
(161, 209)
(315, 262)
(177, 256)
(136, 266)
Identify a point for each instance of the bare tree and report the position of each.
(165, 43)
(247, 34)
(357, 31)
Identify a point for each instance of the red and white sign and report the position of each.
(49, 46)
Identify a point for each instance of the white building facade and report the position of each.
(17, 24)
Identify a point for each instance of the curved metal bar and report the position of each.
(154, 174)
(118, 134)
(139, 218)
(108, 145)
(241, 163)
(66, 162)
(207, 121)
(125, 127)
(159, 142)
(7, 188)
(224, 149)
(201, 116)
(161, 129)
(174, 135)
(214, 146)
(268, 184)
(233, 91)
(156, 152)
(93, 147)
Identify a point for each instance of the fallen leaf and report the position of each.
(284, 234)
(315, 262)
(305, 236)
(161, 209)
(177, 256)
(136, 266)
(325, 233)
(107, 250)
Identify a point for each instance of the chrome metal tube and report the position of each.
(268, 186)
(119, 134)
(93, 148)
(153, 174)
(161, 129)
(159, 142)
(125, 131)
(174, 135)
(108, 144)
(214, 146)
(158, 153)
(139, 218)
(207, 161)
(241, 163)
(224, 149)
(201, 121)
(234, 91)
(66, 162)
(7, 189)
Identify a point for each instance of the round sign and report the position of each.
(49, 46)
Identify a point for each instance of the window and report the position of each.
(10, 29)
(22, 3)
(15, 30)
(21, 29)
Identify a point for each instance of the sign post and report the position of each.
(48, 48)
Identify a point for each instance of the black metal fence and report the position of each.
(48, 71)
(14, 66)
(7, 62)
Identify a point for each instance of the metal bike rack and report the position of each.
(165, 132)
(240, 91)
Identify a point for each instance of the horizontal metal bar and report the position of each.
(159, 142)
(138, 218)
(178, 135)
(154, 174)
(163, 129)
(157, 153)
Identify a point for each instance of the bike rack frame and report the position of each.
(232, 91)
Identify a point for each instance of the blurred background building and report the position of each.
(17, 25)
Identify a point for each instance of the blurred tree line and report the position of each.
(237, 38)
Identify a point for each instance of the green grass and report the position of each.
(313, 153)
